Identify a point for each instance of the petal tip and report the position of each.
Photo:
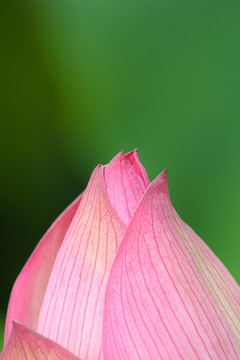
(16, 326)
(121, 155)
(164, 173)
(162, 177)
(160, 184)
(133, 152)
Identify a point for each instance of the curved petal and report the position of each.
(29, 288)
(126, 181)
(134, 160)
(72, 309)
(25, 344)
(168, 296)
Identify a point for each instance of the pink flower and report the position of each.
(119, 276)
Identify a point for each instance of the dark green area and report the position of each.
(80, 80)
(1, 330)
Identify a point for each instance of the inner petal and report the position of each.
(126, 181)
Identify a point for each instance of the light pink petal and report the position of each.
(168, 296)
(126, 181)
(72, 309)
(30, 286)
(25, 344)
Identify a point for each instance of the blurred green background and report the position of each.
(81, 80)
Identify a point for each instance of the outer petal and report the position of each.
(168, 296)
(30, 286)
(72, 309)
(25, 344)
(126, 181)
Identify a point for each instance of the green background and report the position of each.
(81, 80)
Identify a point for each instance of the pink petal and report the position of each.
(72, 309)
(168, 296)
(134, 160)
(126, 181)
(30, 286)
(25, 344)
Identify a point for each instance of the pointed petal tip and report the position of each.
(26, 344)
(134, 152)
(17, 327)
(161, 181)
(158, 186)
(133, 158)
(121, 155)
(163, 174)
